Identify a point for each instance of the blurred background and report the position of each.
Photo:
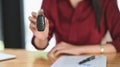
(14, 24)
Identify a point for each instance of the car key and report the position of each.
(40, 22)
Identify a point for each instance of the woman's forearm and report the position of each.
(40, 44)
(67, 48)
(108, 48)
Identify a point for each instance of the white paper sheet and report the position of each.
(73, 61)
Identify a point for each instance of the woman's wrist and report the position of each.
(87, 49)
(39, 44)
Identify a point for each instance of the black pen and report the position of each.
(87, 59)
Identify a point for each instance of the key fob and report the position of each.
(40, 22)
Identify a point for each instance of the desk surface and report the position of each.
(39, 59)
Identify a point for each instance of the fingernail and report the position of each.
(33, 13)
(29, 17)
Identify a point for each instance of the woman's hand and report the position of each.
(42, 35)
(65, 48)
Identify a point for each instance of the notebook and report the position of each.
(6, 56)
(73, 61)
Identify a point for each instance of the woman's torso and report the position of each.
(76, 25)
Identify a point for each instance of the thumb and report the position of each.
(41, 11)
(46, 23)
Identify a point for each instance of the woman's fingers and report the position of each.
(56, 49)
(61, 52)
(34, 14)
(64, 48)
(32, 20)
(32, 27)
(32, 24)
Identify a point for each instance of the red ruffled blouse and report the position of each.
(78, 25)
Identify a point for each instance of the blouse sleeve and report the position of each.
(113, 22)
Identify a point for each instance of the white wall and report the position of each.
(118, 4)
(29, 6)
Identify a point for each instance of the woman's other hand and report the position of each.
(64, 48)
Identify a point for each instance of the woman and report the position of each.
(79, 26)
